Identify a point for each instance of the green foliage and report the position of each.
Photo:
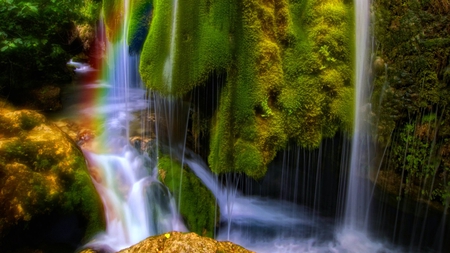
(196, 203)
(416, 156)
(410, 97)
(35, 39)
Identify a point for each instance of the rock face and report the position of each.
(46, 194)
(177, 242)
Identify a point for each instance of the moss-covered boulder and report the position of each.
(184, 242)
(196, 203)
(47, 199)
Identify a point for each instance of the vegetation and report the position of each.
(37, 38)
(196, 203)
(287, 64)
(410, 99)
(139, 24)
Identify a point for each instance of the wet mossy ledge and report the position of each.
(196, 203)
(288, 65)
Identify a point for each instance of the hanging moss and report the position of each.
(202, 44)
(196, 203)
(288, 68)
(139, 23)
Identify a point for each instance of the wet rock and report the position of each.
(80, 133)
(46, 194)
(177, 242)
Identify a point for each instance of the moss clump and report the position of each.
(139, 23)
(287, 66)
(202, 44)
(196, 203)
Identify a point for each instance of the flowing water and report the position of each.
(137, 205)
(357, 191)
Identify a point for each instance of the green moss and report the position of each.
(203, 40)
(288, 66)
(197, 205)
(139, 23)
(80, 196)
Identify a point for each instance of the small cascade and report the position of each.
(136, 204)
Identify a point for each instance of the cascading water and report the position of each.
(136, 204)
(357, 190)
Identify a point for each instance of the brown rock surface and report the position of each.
(177, 242)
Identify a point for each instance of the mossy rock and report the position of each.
(288, 69)
(44, 180)
(196, 203)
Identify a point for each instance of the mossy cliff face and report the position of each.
(43, 176)
(411, 97)
(197, 204)
(287, 64)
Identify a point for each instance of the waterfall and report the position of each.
(136, 204)
(168, 66)
(357, 191)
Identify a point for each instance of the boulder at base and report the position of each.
(177, 242)
(48, 202)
